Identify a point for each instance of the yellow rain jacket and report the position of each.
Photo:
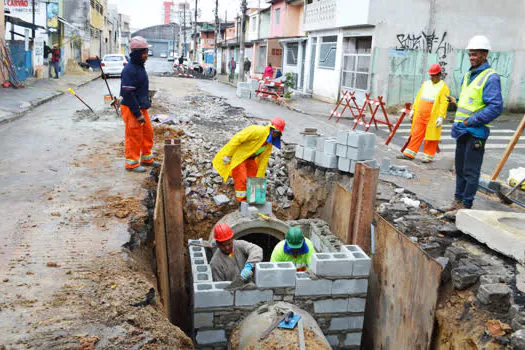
(242, 146)
(439, 109)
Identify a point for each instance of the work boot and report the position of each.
(153, 164)
(453, 206)
(402, 156)
(426, 160)
(451, 215)
(138, 169)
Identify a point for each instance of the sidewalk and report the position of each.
(16, 102)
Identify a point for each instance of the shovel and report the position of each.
(505, 197)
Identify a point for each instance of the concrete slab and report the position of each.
(504, 232)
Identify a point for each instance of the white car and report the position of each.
(113, 64)
(171, 56)
(163, 55)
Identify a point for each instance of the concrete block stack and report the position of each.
(317, 149)
(244, 90)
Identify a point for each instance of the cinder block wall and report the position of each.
(333, 292)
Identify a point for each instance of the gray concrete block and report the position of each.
(346, 323)
(352, 286)
(330, 306)
(275, 275)
(362, 262)
(197, 241)
(197, 252)
(309, 154)
(246, 209)
(341, 150)
(202, 277)
(342, 137)
(356, 305)
(320, 143)
(252, 297)
(332, 264)
(202, 319)
(330, 146)
(306, 286)
(360, 153)
(316, 241)
(344, 164)
(201, 268)
(333, 340)
(310, 141)
(328, 161)
(214, 336)
(371, 163)
(208, 295)
(353, 339)
(361, 139)
(299, 152)
(319, 158)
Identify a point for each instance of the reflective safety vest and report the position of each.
(471, 96)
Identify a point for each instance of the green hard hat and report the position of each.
(295, 238)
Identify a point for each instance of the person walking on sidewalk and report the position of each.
(134, 89)
(295, 248)
(247, 66)
(268, 71)
(55, 59)
(247, 154)
(430, 111)
(479, 103)
(232, 67)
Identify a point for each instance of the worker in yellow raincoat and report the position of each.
(247, 154)
(430, 111)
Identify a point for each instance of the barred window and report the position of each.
(292, 51)
(328, 52)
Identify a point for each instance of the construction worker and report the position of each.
(234, 257)
(295, 248)
(430, 111)
(479, 103)
(247, 153)
(134, 89)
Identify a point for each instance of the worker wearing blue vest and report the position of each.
(479, 103)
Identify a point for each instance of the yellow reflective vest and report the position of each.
(471, 96)
(242, 146)
(301, 261)
(439, 109)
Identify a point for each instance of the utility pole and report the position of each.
(241, 41)
(217, 31)
(195, 34)
(33, 29)
(184, 26)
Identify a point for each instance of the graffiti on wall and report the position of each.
(427, 42)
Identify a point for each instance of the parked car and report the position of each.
(150, 52)
(112, 65)
(171, 56)
(163, 55)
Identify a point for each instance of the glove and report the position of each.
(226, 160)
(439, 122)
(246, 273)
(141, 119)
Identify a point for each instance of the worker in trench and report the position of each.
(295, 248)
(430, 111)
(234, 258)
(247, 154)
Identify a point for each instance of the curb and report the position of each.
(40, 102)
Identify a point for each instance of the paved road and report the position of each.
(155, 65)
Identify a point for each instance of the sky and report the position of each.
(148, 13)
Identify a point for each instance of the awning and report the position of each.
(20, 22)
(293, 40)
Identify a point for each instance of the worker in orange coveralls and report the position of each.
(247, 154)
(430, 111)
(134, 89)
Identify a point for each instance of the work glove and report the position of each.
(452, 100)
(246, 273)
(115, 102)
(439, 122)
(141, 119)
(226, 160)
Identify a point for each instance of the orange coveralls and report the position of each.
(139, 138)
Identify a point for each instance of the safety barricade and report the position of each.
(345, 101)
(404, 112)
(269, 89)
(374, 106)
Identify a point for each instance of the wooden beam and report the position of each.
(174, 226)
(163, 283)
(510, 148)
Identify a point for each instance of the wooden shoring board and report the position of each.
(402, 293)
(340, 211)
(160, 247)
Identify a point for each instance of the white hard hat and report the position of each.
(137, 43)
(479, 42)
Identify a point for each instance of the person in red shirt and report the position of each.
(55, 59)
(268, 71)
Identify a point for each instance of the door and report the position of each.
(356, 66)
(312, 63)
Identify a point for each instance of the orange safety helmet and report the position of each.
(278, 123)
(222, 232)
(434, 69)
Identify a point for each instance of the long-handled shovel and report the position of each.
(505, 198)
(109, 90)
(81, 100)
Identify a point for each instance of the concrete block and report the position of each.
(310, 141)
(333, 340)
(299, 152)
(332, 264)
(252, 297)
(309, 154)
(319, 158)
(356, 304)
(201, 268)
(330, 306)
(361, 139)
(246, 209)
(353, 339)
(371, 163)
(207, 295)
(352, 286)
(197, 252)
(316, 241)
(254, 84)
(346, 323)
(198, 241)
(344, 164)
(341, 150)
(202, 319)
(320, 143)
(362, 262)
(243, 85)
(275, 275)
(306, 286)
(330, 146)
(360, 153)
(214, 336)
(202, 277)
(329, 161)
(342, 137)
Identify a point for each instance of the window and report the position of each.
(292, 51)
(261, 59)
(356, 63)
(277, 16)
(254, 24)
(328, 52)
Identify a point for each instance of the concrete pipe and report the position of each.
(247, 335)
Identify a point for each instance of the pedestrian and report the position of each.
(55, 59)
(295, 248)
(247, 154)
(268, 71)
(181, 59)
(134, 89)
(479, 103)
(232, 67)
(430, 111)
(234, 257)
(47, 59)
(247, 67)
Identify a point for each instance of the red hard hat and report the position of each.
(138, 42)
(222, 232)
(278, 123)
(434, 69)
